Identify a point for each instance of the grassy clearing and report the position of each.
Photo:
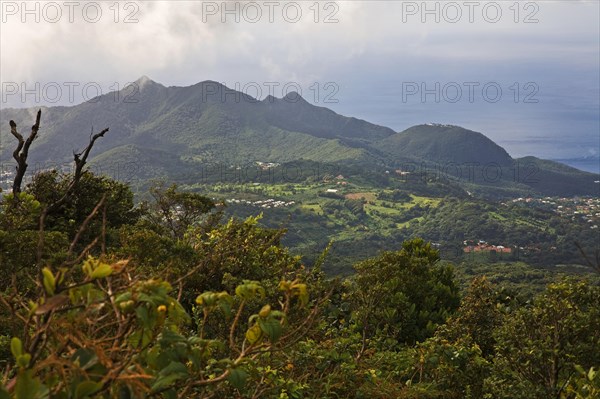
(316, 208)
(369, 197)
(382, 209)
(423, 201)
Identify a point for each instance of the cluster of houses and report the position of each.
(399, 172)
(483, 246)
(6, 180)
(267, 165)
(339, 180)
(6, 174)
(584, 209)
(268, 203)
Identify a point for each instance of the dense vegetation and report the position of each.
(102, 298)
(370, 213)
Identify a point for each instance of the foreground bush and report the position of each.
(101, 331)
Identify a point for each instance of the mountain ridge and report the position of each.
(209, 122)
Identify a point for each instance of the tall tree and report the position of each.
(402, 296)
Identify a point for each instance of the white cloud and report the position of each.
(368, 51)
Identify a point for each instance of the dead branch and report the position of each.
(22, 151)
(80, 161)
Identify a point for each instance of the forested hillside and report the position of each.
(103, 297)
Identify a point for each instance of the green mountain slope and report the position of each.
(206, 122)
(444, 143)
(173, 132)
(552, 178)
(481, 166)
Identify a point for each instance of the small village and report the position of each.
(584, 209)
(268, 203)
(6, 178)
(483, 246)
(267, 165)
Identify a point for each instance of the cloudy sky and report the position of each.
(396, 63)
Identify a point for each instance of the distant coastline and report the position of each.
(587, 165)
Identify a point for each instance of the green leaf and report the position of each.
(4, 394)
(141, 337)
(103, 270)
(168, 375)
(126, 296)
(175, 368)
(271, 328)
(225, 302)
(142, 314)
(302, 292)
(249, 290)
(265, 311)
(86, 358)
(171, 337)
(16, 347)
(165, 381)
(254, 334)
(592, 374)
(86, 388)
(27, 387)
(49, 281)
(237, 377)
(23, 360)
(208, 299)
(87, 266)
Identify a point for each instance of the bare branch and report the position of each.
(80, 161)
(22, 151)
(81, 158)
